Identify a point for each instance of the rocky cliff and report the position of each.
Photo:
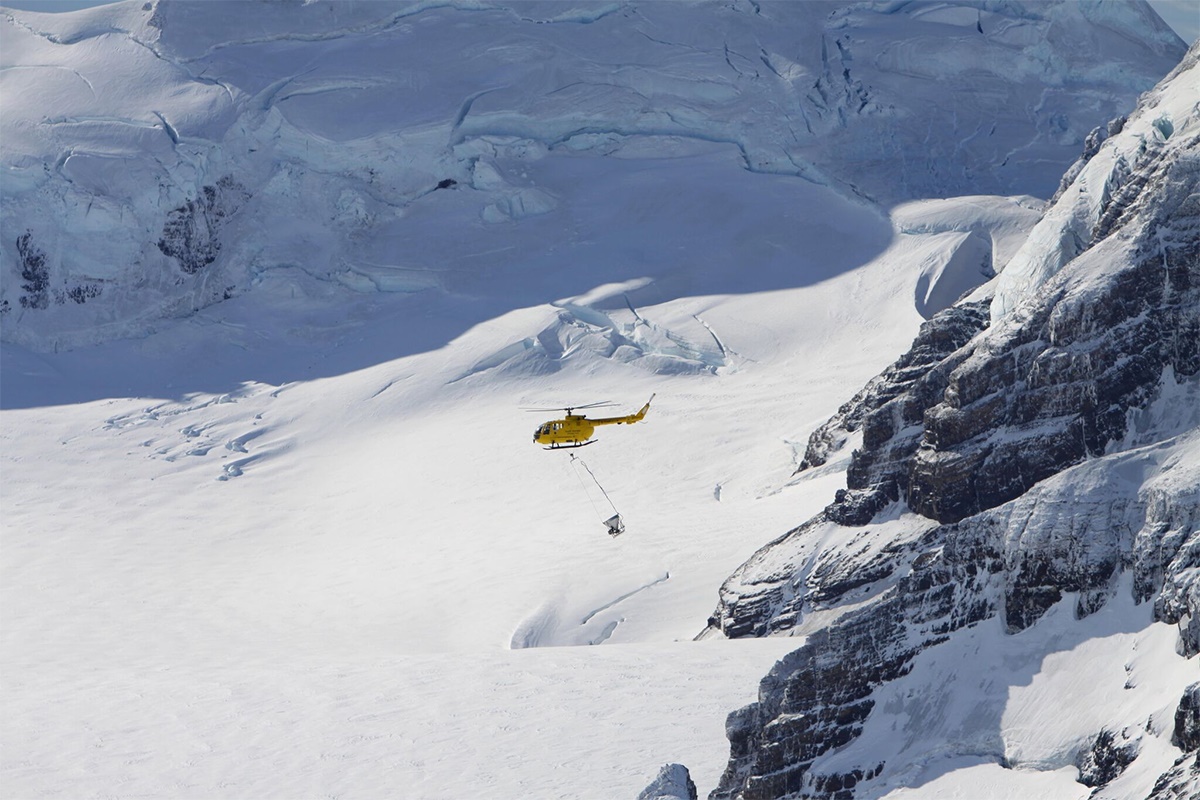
(1030, 467)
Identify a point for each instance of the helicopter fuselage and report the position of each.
(572, 431)
(575, 430)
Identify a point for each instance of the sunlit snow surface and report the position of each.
(300, 542)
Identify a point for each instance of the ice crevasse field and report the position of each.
(300, 542)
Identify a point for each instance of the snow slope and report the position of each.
(169, 521)
(275, 525)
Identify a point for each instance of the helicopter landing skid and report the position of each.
(570, 446)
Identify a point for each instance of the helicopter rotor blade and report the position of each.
(602, 404)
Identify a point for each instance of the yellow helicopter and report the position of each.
(575, 430)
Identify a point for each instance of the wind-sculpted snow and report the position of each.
(624, 337)
(545, 628)
(362, 140)
(216, 430)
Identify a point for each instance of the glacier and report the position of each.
(162, 158)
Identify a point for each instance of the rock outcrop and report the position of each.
(1183, 779)
(897, 399)
(191, 233)
(1072, 534)
(1186, 734)
(1107, 758)
(1060, 375)
(673, 782)
(1051, 455)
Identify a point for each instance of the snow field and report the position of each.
(397, 519)
(584, 723)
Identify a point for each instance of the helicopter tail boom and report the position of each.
(626, 420)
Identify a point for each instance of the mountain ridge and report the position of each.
(1020, 438)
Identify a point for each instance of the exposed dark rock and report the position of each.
(35, 273)
(1186, 735)
(1181, 782)
(768, 604)
(1053, 388)
(1016, 406)
(191, 234)
(84, 292)
(673, 783)
(1015, 561)
(446, 183)
(768, 594)
(908, 382)
(1107, 758)
(859, 506)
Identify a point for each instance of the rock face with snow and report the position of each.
(896, 402)
(1183, 779)
(672, 783)
(159, 157)
(1107, 759)
(1187, 720)
(1047, 452)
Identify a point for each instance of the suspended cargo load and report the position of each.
(614, 524)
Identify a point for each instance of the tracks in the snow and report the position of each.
(543, 628)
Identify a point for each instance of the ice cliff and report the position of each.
(162, 156)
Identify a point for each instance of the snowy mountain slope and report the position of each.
(1058, 446)
(224, 147)
(285, 545)
(1098, 189)
(179, 524)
